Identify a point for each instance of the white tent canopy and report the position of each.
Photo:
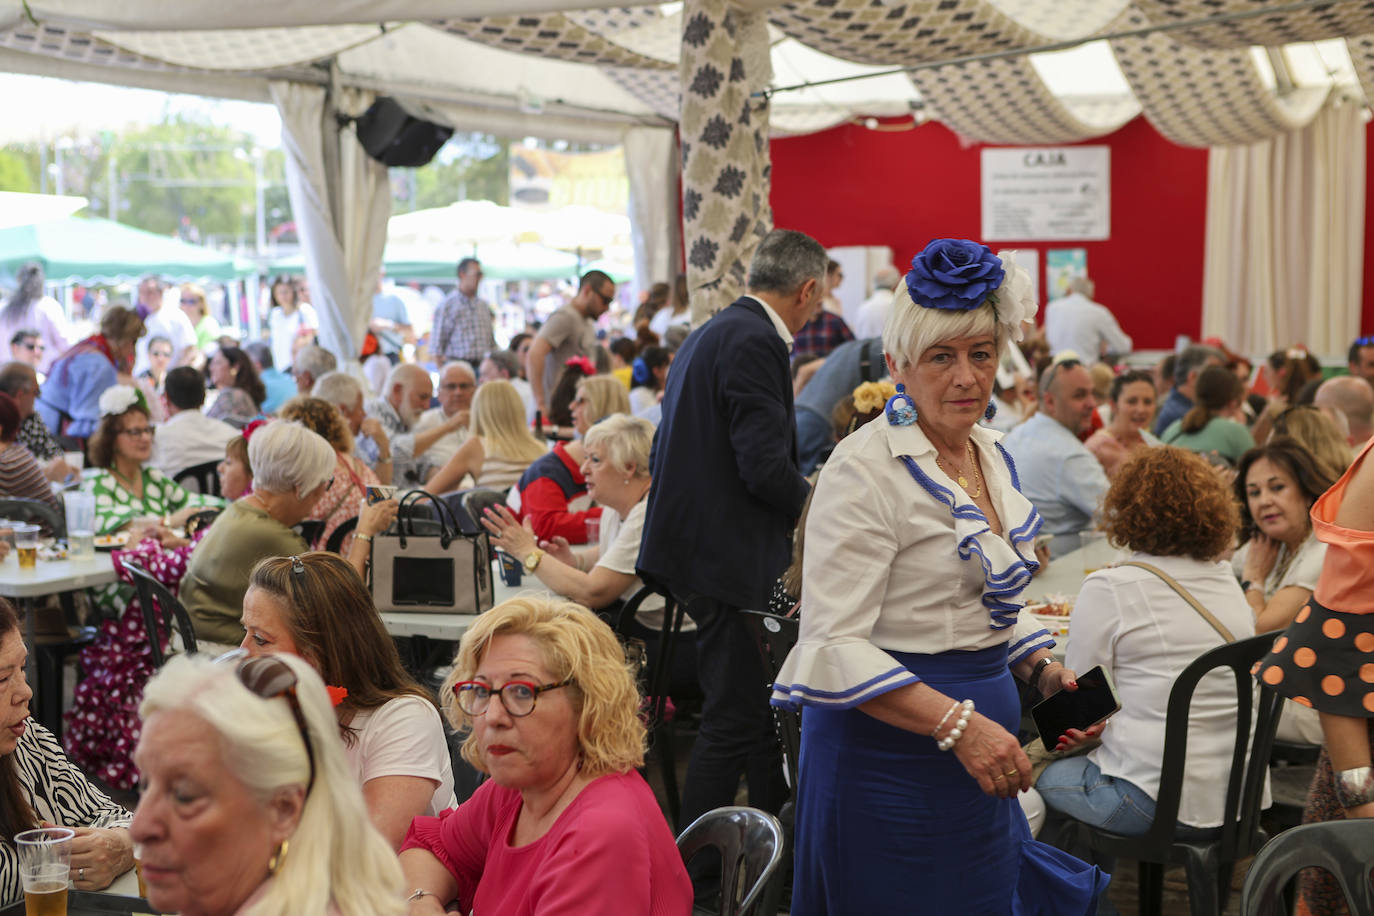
(1205, 72)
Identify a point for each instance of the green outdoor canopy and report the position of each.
(500, 261)
(93, 250)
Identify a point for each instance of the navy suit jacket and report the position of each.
(726, 489)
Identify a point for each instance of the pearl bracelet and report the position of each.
(960, 724)
(945, 718)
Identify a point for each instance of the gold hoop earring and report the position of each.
(278, 856)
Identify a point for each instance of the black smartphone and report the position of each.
(1093, 701)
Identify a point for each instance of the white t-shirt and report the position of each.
(285, 328)
(403, 737)
(619, 543)
(169, 322)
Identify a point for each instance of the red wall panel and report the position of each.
(854, 186)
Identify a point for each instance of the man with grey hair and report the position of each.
(1088, 328)
(441, 430)
(311, 362)
(725, 498)
(1352, 396)
(505, 366)
(1061, 478)
(407, 395)
(370, 442)
(873, 311)
(20, 381)
(1188, 366)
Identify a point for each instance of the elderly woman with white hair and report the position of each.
(616, 467)
(910, 632)
(247, 802)
(292, 468)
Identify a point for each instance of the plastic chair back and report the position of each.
(336, 537)
(750, 843)
(476, 501)
(1257, 716)
(35, 511)
(1340, 847)
(200, 478)
(174, 614)
(775, 637)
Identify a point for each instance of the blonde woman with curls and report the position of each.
(565, 824)
(500, 447)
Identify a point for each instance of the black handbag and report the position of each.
(425, 563)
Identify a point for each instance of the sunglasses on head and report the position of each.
(268, 677)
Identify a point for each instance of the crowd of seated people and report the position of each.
(300, 437)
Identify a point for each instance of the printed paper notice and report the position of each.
(1044, 193)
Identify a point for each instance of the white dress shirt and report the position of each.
(1077, 323)
(872, 315)
(893, 563)
(446, 446)
(1129, 621)
(1059, 475)
(187, 439)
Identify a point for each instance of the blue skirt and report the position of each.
(888, 823)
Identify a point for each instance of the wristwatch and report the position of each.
(532, 561)
(1246, 585)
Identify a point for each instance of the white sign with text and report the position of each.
(1044, 193)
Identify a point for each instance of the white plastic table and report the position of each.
(453, 626)
(49, 577)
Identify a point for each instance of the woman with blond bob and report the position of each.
(1175, 514)
(317, 607)
(500, 447)
(565, 824)
(247, 803)
(549, 486)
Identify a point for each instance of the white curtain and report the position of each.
(1285, 237)
(651, 159)
(341, 199)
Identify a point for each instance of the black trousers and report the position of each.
(736, 736)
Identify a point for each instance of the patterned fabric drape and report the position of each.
(1330, 20)
(725, 163)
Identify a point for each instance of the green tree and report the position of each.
(469, 167)
(15, 173)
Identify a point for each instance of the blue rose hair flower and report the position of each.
(954, 274)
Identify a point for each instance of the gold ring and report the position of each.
(1013, 773)
(995, 778)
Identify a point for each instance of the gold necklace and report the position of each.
(960, 478)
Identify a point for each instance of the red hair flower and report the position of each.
(581, 362)
(336, 694)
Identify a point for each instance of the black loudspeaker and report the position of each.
(393, 137)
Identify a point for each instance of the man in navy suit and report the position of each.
(725, 497)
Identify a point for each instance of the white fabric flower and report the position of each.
(116, 399)
(1016, 302)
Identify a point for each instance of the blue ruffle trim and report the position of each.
(1007, 569)
(794, 696)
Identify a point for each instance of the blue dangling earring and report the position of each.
(900, 410)
(991, 411)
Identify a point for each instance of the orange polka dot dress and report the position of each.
(1325, 659)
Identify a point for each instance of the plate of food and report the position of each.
(1053, 613)
(111, 541)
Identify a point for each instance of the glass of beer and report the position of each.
(26, 544)
(45, 858)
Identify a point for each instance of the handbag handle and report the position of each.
(1185, 595)
(448, 525)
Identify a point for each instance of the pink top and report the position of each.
(1348, 569)
(610, 853)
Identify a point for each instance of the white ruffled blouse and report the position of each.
(899, 558)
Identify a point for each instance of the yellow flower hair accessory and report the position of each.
(871, 396)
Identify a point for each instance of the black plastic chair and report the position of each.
(655, 687)
(310, 530)
(1209, 859)
(336, 538)
(476, 501)
(750, 843)
(1340, 847)
(200, 478)
(34, 512)
(173, 613)
(775, 637)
